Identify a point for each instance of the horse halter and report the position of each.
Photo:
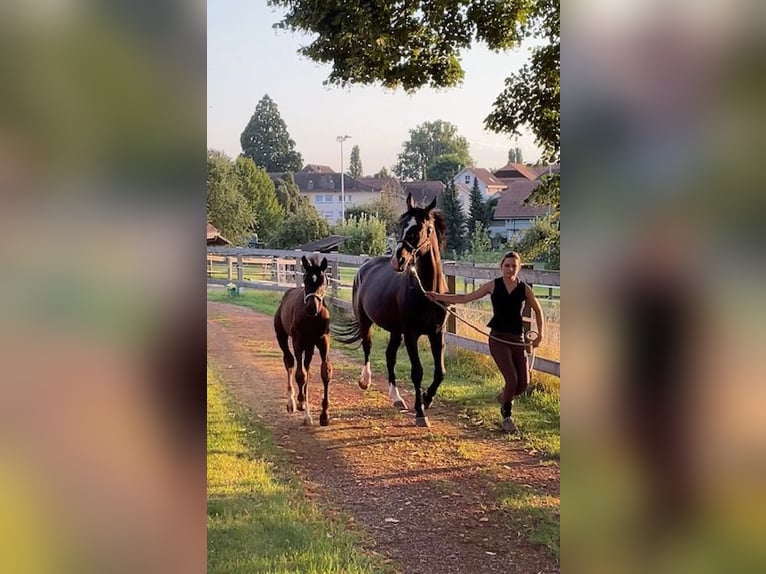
(415, 250)
(318, 296)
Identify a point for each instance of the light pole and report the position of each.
(341, 139)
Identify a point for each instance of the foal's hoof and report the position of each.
(324, 420)
(291, 406)
(364, 385)
(422, 422)
(308, 421)
(400, 405)
(301, 406)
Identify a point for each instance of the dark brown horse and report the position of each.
(388, 292)
(303, 316)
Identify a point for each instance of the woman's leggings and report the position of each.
(512, 362)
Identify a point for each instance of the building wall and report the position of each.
(328, 201)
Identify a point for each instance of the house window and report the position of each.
(467, 179)
(328, 198)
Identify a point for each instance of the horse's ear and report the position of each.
(431, 205)
(305, 263)
(323, 265)
(410, 201)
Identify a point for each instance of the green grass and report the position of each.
(471, 383)
(538, 513)
(258, 519)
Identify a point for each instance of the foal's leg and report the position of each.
(303, 390)
(324, 346)
(365, 330)
(391, 350)
(289, 360)
(411, 343)
(437, 351)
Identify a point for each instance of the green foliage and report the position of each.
(301, 227)
(355, 166)
(542, 242)
(266, 141)
(456, 229)
(418, 43)
(227, 209)
(444, 167)
(428, 142)
(479, 244)
(478, 213)
(366, 234)
(531, 96)
(402, 44)
(256, 186)
(289, 194)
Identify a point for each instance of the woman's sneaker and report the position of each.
(509, 426)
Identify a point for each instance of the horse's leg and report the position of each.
(289, 360)
(303, 390)
(391, 350)
(437, 351)
(411, 343)
(324, 346)
(365, 330)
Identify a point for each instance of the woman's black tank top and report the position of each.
(507, 307)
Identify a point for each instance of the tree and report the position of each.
(453, 213)
(227, 209)
(514, 155)
(444, 167)
(385, 208)
(428, 142)
(289, 194)
(265, 140)
(256, 186)
(479, 243)
(365, 234)
(382, 173)
(413, 44)
(355, 165)
(301, 227)
(478, 214)
(542, 242)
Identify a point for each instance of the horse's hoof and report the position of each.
(400, 405)
(290, 406)
(308, 421)
(364, 385)
(301, 406)
(422, 422)
(427, 401)
(324, 420)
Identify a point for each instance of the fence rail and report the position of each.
(279, 270)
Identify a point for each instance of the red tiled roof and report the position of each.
(423, 192)
(214, 237)
(511, 203)
(378, 183)
(485, 176)
(516, 170)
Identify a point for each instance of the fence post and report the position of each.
(298, 272)
(335, 286)
(526, 323)
(240, 273)
(230, 274)
(451, 322)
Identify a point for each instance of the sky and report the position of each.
(247, 58)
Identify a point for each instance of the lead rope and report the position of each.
(475, 328)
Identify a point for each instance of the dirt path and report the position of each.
(426, 496)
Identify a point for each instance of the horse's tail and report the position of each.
(345, 329)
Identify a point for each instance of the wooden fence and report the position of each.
(273, 269)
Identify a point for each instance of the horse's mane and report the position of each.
(440, 222)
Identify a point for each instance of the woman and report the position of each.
(508, 296)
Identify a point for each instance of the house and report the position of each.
(214, 237)
(512, 216)
(315, 168)
(518, 171)
(323, 190)
(489, 185)
(423, 192)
